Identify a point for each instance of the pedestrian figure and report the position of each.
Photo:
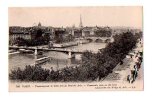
(121, 62)
(138, 65)
(129, 78)
(134, 73)
(139, 60)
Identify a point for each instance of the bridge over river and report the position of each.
(71, 52)
(58, 59)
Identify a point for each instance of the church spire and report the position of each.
(39, 24)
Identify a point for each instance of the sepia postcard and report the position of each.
(94, 48)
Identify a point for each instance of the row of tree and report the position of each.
(101, 64)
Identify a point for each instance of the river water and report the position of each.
(58, 59)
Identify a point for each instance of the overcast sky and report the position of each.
(68, 16)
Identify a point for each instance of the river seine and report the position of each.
(58, 59)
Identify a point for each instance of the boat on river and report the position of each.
(26, 51)
(42, 60)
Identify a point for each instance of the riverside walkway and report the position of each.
(120, 72)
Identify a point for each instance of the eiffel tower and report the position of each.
(80, 25)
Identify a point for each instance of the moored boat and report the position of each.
(26, 51)
(42, 60)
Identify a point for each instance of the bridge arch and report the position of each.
(89, 39)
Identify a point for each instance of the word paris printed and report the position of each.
(75, 48)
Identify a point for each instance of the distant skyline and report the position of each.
(127, 16)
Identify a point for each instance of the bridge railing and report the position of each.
(57, 49)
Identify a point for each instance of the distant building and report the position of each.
(77, 32)
(103, 32)
(39, 24)
(59, 34)
(88, 31)
(29, 33)
(18, 32)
